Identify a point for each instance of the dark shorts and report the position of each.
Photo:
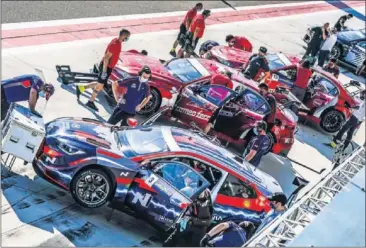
(109, 72)
(190, 37)
(119, 116)
(182, 32)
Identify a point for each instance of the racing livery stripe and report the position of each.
(109, 154)
(54, 180)
(79, 161)
(122, 180)
(238, 202)
(143, 185)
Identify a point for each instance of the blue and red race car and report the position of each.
(155, 171)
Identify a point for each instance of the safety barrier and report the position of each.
(288, 226)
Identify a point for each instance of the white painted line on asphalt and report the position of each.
(22, 25)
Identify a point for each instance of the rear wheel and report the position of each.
(336, 52)
(273, 141)
(91, 188)
(332, 121)
(153, 105)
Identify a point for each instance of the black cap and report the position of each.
(278, 197)
(263, 49)
(124, 31)
(334, 60)
(145, 69)
(206, 12)
(262, 125)
(263, 86)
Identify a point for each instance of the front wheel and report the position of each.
(91, 188)
(153, 105)
(332, 121)
(336, 52)
(272, 140)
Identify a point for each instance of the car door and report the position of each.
(198, 102)
(161, 193)
(241, 113)
(324, 92)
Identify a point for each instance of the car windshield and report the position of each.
(362, 44)
(144, 141)
(277, 61)
(186, 70)
(254, 102)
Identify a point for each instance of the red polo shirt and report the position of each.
(190, 15)
(242, 43)
(114, 47)
(198, 22)
(223, 80)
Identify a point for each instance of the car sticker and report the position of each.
(151, 180)
(275, 77)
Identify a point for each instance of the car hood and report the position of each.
(231, 54)
(132, 63)
(352, 35)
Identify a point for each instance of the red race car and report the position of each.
(324, 99)
(189, 79)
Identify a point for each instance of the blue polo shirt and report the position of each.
(135, 92)
(18, 89)
(260, 144)
(234, 236)
(208, 43)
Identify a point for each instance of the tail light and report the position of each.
(50, 152)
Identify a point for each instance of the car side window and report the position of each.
(215, 94)
(328, 87)
(182, 177)
(234, 187)
(254, 102)
(289, 75)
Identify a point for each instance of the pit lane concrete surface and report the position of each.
(35, 213)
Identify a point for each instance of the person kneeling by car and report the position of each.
(134, 96)
(23, 88)
(193, 225)
(228, 234)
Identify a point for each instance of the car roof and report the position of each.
(351, 35)
(191, 142)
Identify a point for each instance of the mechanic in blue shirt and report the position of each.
(22, 88)
(258, 144)
(207, 46)
(228, 234)
(131, 96)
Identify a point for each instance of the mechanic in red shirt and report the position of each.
(184, 26)
(106, 66)
(239, 42)
(223, 79)
(303, 76)
(196, 31)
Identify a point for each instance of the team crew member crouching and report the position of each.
(332, 67)
(131, 96)
(23, 88)
(258, 64)
(239, 42)
(184, 26)
(196, 31)
(109, 61)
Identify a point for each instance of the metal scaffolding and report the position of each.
(287, 227)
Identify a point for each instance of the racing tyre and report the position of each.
(272, 139)
(336, 52)
(332, 121)
(153, 105)
(91, 188)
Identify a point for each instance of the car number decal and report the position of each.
(151, 180)
(275, 77)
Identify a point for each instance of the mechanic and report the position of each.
(257, 64)
(327, 47)
(361, 68)
(110, 59)
(239, 42)
(341, 21)
(352, 123)
(258, 144)
(320, 34)
(228, 234)
(196, 31)
(194, 223)
(207, 46)
(22, 88)
(271, 117)
(332, 67)
(184, 26)
(131, 95)
(304, 73)
(188, 179)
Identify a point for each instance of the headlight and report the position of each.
(68, 149)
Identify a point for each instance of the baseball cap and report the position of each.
(206, 12)
(263, 49)
(334, 60)
(278, 197)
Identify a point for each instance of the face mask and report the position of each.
(143, 80)
(42, 94)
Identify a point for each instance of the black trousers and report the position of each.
(313, 47)
(323, 56)
(191, 237)
(4, 104)
(349, 127)
(119, 116)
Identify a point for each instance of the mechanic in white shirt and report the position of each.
(352, 124)
(327, 47)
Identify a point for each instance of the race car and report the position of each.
(350, 48)
(326, 102)
(169, 78)
(154, 172)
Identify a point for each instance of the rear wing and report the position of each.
(355, 84)
(69, 77)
